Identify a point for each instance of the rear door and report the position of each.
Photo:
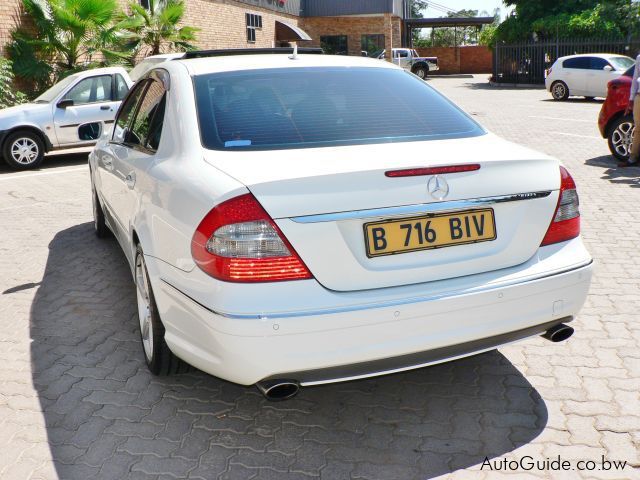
(138, 150)
(93, 102)
(575, 72)
(110, 182)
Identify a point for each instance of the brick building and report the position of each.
(337, 25)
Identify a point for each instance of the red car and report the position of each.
(614, 125)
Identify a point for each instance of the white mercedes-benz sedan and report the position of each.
(299, 219)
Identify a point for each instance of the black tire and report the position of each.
(421, 70)
(559, 90)
(619, 136)
(589, 99)
(160, 359)
(99, 223)
(23, 150)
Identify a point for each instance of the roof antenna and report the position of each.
(295, 52)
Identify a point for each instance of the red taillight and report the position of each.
(415, 172)
(566, 219)
(238, 241)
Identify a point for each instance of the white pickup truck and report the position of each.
(409, 59)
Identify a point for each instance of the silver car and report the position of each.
(73, 113)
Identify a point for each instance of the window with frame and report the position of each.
(254, 22)
(372, 43)
(598, 63)
(147, 125)
(334, 44)
(582, 63)
(126, 112)
(121, 88)
(91, 90)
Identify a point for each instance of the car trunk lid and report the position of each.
(327, 200)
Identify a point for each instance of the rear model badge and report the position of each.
(438, 187)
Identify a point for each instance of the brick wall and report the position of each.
(11, 16)
(476, 59)
(454, 60)
(354, 28)
(222, 24)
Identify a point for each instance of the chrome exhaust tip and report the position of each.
(277, 390)
(558, 333)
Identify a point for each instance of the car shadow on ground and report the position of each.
(51, 161)
(575, 100)
(107, 417)
(621, 175)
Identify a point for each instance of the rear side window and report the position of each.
(598, 63)
(121, 88)
(298, 108)
(147, 125)
(583, 63)
(126, 112)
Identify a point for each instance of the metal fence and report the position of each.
(527, 62)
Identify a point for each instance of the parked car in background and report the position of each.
(282, 231)
(614, 125)
(149, 62)
(585, 75)
(409, 59)
(72, 113)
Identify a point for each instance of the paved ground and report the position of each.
(76, 400)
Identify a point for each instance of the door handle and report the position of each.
(108, 163)
(130, 180)
(105, 107)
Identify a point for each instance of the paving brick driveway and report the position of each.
(77, 402)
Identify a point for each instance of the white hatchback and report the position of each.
(585, 75)
(295, 220)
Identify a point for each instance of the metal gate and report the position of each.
(527, 62)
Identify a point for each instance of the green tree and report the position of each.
(8, 95)
(70, 35)
(155, 30)
(549, 19)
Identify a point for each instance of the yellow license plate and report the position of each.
(389, 237)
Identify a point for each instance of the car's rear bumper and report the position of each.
(355, 343)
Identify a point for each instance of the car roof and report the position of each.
(230, 63)
(99, 71)
(600, 55)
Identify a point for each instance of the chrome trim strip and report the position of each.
(369, 306)
(390, 212)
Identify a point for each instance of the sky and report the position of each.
(488, 5)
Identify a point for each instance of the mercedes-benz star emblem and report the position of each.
(438, 187)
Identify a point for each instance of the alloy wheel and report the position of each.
(24, 150)
(621, 138)
(559, 90)
(144, 307)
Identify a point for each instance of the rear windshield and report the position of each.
(310, 107)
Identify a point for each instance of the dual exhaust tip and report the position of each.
(282, 389)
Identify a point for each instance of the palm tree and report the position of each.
(156, 28)
(69, 35)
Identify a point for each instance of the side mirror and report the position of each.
(67, 102)
(608, 68)
(90, 131)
